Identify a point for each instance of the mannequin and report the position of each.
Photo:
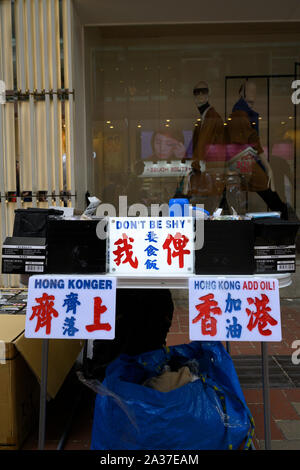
(243, 130)
(204, 183)
(209, 131)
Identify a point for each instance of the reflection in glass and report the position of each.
(251, 162)
(143, 83)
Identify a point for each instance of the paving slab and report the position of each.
(282, 445)
(297, 407)
(290, 429)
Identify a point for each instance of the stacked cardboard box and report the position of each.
(24, 255)
(20, 372)
(275, 245)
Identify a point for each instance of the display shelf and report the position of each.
(182, 282)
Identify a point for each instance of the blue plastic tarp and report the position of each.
(208, 413)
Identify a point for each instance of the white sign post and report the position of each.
(234, 309)
(68, 307)
(151, 246)
(237, 309)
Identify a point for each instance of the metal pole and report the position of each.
(43, 394)
(31, 106)
(49, 153)
(21, 82)
(295, 143)
(268, 118)
(3, 153)
(55, 59)
(266, 394)
(69, 65)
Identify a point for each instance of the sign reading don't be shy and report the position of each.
(151, 245)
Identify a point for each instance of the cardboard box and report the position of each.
(24, 255)
(19, 390)
(20, 372)
(275, 245)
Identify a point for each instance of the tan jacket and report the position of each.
(208, 137)
(209, 148)
(240, 131)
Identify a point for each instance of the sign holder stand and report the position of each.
(167, 283)
(266, 394)
(43, 394)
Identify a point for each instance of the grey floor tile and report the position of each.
(281, 375)
(282, 445)
(290, 428)
(297, 406)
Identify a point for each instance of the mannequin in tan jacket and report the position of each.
(205, 183)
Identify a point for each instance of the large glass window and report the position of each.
(151, 89)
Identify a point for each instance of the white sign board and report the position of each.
(234, 309)
(151, 245)
(71, 307)
(166, 169)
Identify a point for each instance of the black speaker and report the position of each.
(228, 248)
(74, 247)
(32, 222)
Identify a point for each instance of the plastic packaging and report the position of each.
(236, 198)
(260, 215)
(199, 213)
(92, 207)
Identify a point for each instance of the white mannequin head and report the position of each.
(201, 93)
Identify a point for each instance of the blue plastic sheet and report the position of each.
(208, 413)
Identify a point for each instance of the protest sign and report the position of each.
(71, 307)
(151, 245)
(234, 309)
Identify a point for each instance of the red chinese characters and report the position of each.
(124, 253)
(179, 243)
(99, 309)
(44, 312)
(208, 307)
(260, 318)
